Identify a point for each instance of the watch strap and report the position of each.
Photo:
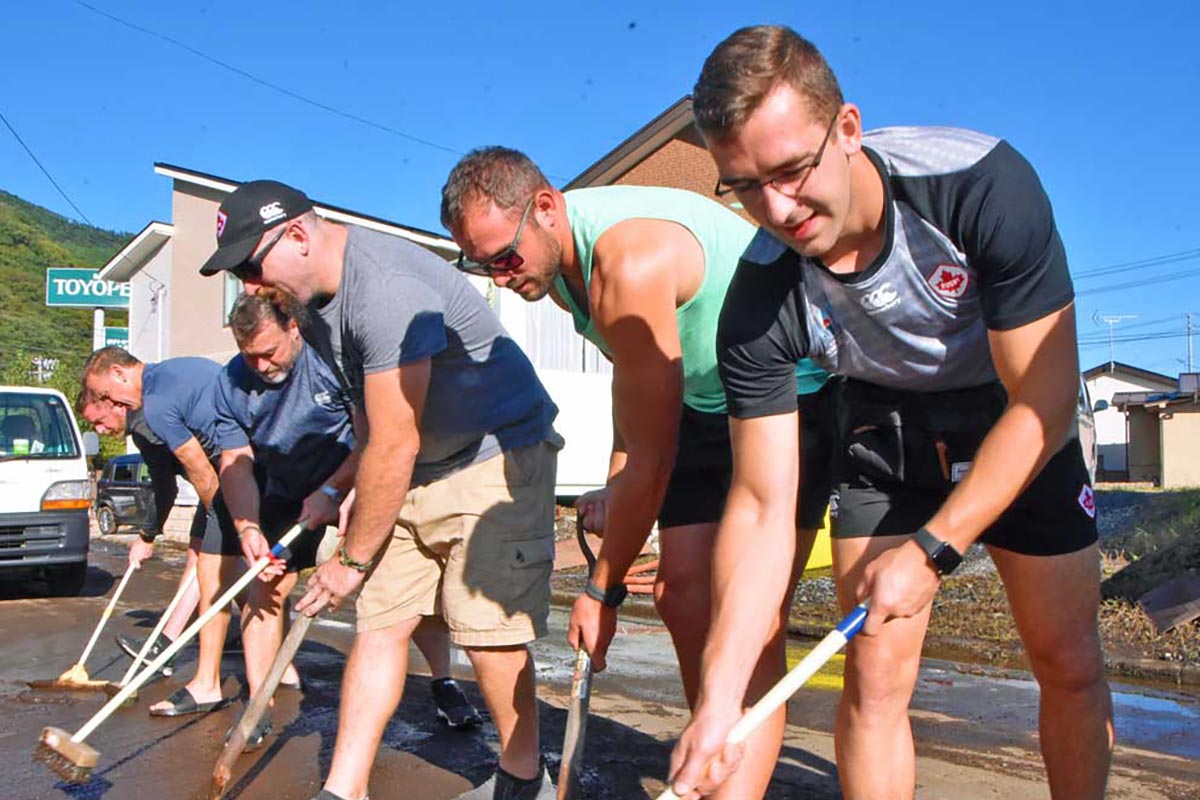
(612, 598)
(332, 492)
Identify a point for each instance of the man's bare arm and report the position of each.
(199, 470)
(394, 401)
(238, 487)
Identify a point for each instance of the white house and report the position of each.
(1112, 431)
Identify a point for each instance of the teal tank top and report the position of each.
(722, 236)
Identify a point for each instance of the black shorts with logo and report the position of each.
(276, 516)
(903, 452)
(704, 464)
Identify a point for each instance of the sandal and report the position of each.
(255, 740)
(182, 704)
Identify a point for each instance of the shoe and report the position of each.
(453, 707)
(255, 740)
(182, 704)
(325, 794)
(134, 646)
(503, 786)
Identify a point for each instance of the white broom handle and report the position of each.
(834, 641)
(188, 580)
(87, 651)
(115, 702)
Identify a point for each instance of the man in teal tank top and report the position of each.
(643, 271)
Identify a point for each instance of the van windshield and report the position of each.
(34, 425)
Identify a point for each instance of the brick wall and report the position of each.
(679, 165)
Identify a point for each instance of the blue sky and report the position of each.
(1102, 97)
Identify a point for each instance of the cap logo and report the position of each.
(221, 218)
(272, 212)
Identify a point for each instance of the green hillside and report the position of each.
(32, 239)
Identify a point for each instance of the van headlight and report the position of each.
(67, 495)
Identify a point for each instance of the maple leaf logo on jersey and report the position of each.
(221, 217)
(949, 280)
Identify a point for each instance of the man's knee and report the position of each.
(878, 679)
(682, 605)
(1067, 663)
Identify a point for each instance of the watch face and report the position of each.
(947, 559)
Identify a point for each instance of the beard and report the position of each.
(537, 283)
(275, 377)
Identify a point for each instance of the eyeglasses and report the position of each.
(507, 260)
(251, 268)
(788, 182)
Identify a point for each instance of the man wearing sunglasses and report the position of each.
(454, 505)
(643, 271)
(924, 265)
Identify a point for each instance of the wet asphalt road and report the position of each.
(975, 732)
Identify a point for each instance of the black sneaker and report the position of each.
(453, 707)
(134, 646)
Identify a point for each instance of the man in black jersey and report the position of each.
(924, 265)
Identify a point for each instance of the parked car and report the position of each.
(44, 488)
(1087, 428)
(124, 495)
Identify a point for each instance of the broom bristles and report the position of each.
(72, 761)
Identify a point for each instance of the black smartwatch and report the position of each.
(943, 555)
(610, 599)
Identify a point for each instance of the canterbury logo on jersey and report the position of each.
(880, 299)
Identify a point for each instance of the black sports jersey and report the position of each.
(970, 244)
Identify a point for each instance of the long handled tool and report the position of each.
(834, 641)
(138, 660)
(77, 676)
(74, 760)
(581, 695)
(258, 706)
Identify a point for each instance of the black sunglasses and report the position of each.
(507, 260)
(251, 268)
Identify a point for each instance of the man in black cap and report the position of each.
(454, 508)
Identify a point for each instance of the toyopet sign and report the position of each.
(116, 337)
(67, 286)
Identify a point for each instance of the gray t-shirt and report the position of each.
(397, 304)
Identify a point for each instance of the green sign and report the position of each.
(67, 286)
(116, 337)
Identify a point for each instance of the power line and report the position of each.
(272, 86)
(45, 171)
(1143, 263)
(1138, 284)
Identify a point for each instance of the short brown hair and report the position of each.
(251, 311)
(507, 177)
(99, 362)
(746, 67)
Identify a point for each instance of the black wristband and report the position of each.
(611, 598)
(147, 536)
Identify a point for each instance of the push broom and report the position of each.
(77, 678)
(73, 759)
(790, 683)
(138, 660)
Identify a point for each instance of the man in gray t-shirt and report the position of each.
(454, 495)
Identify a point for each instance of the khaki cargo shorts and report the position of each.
(477, 548)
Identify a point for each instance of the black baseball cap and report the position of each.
(253, 207)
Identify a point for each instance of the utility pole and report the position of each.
(1189, 338)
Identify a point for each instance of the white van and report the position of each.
(44, 488)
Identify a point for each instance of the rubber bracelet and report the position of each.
(346, 561)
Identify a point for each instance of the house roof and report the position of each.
(442, 245)
(1159, 400)
(137, 252)
(675, 122)
(1113, 367)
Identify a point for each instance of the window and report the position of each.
(123, 473)
(233, 287)
(35, 426)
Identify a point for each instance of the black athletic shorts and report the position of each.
(276, 516)
(902, 453)
(704, 465)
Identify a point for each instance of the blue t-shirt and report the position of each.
(300, 430)
(177, 402)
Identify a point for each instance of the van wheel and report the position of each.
(106, 520)
(67, 580)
